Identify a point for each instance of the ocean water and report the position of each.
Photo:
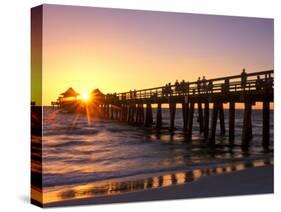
(79, 151)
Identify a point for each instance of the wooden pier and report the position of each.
(248, 89)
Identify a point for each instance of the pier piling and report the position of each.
(190, 121)
(221, 115)
(185, 115)
(107, 111)
(172, 108)
(214, 123)
(200, 117)
(141, 114)
(206, 120)
(231, 122)
(137, 114)
(246, 131)
(111, 112)
(148, 116)
(159, 116)
(266, 125)
(129, 113)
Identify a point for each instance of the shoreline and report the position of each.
(255, 180)
(234, 165)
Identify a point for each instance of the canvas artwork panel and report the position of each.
(133, 105)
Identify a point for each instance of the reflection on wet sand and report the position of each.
(118, 187)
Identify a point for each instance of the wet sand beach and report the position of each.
(257, 180)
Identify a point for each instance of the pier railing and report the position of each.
(254, 81)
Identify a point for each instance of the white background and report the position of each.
(15, 100)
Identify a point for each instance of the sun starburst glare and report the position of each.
(85, 97)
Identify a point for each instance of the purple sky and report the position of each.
(112, 49)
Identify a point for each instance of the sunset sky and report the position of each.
(118, 50)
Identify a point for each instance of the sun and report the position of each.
(85, 97)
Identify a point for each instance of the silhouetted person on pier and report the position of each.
(53, 104)
(199, 85)
(131, 94)
(259, 83)
(184, 87)
(226, 86)
(135, 93)
(210, 87)
(269, 82)
(164, 93)
(177, 86)
(170, 90)
(204, 82)
(123, 96)
(181, 87)
(243, 78)
(167, 90)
